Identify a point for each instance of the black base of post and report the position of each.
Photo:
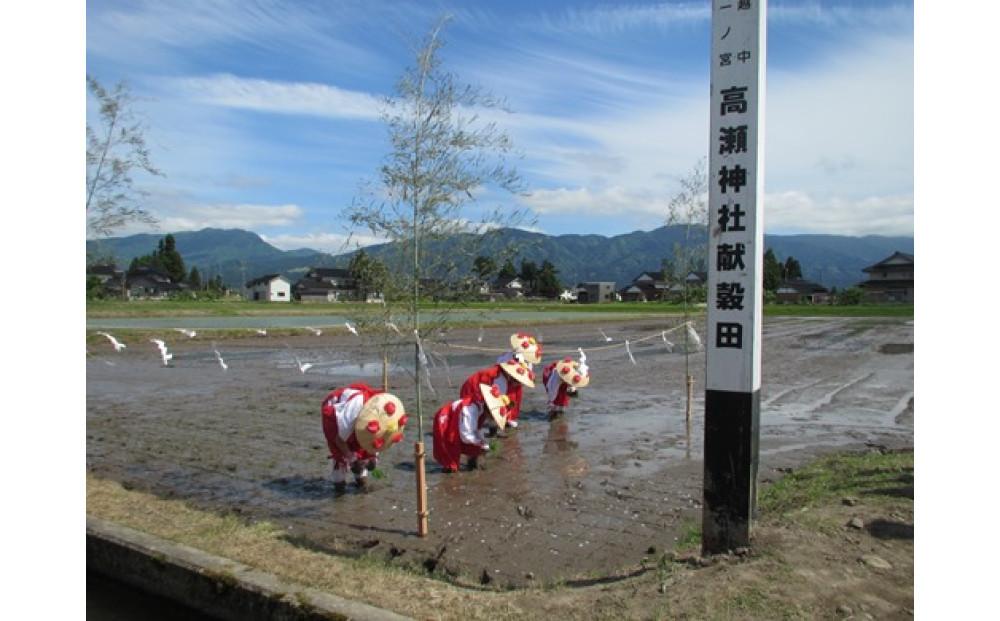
(732, 433)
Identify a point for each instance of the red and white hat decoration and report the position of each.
(519, 371)
(496, 403)
(527, 345)
(573, 373)
(380, 423)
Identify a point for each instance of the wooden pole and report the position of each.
(418, 453)
(687, 411)
(385, 371)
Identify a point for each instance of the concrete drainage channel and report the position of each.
(210, 584)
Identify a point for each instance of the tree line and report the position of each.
(537, 280)
(168, 260)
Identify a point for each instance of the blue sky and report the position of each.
(264, 115)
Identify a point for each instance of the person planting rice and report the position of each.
(359, 422)
(460, 427)
(562, 380)
(528, 351)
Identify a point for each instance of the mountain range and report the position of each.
(238, 255)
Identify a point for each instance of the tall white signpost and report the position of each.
(735, 272)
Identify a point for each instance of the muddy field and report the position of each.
(572, 501)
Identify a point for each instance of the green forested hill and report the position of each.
(833, 260)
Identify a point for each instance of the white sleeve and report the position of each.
(467, 424)
(347, 409)
(552, 386)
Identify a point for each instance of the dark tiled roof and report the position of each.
(148, 282)
(654, 275)
(149, 272)
(327, 272)
(881, 265)
(315, 286)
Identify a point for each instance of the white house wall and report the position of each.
(280, 290)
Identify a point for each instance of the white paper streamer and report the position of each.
(393, 327)
(606, 337)
(420, 349)
(424, 362)
(628, 350)
(165, 355)
(584, 369)
(693, 337)
(479, 339)
(351, 328)
(670, 346)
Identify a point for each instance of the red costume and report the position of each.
(555, 387)
(345, 400)
(458, 430)
(494, 376)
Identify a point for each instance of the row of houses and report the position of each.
(889, 280)
(143, 282)
(319, 284)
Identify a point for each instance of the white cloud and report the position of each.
(799, 212)
(281, 97)
(609, 201)
(193, 216)
(610, 20)
(841, 128)
(334, 243)
(156, 33)
(792, 211)
(618, 19)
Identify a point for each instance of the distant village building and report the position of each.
(650, 286)
(325, 284)
(596, 292)
(269, 288)
(696, 279)
(150, 283)
(509, 287)
(646, 287)
(111, 278)
(800, 291)
(103, 273)
(890, 280)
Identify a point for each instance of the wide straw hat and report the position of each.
(380, 423)
(525, 344)
(519, 371)
(496, 403)
(569, 372)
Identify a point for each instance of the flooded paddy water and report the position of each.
(575, 500)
